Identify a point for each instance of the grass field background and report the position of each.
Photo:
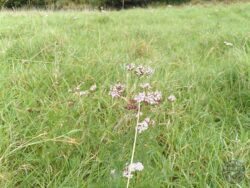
(52, 138)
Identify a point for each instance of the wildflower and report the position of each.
(132, 168)
(140, 97)
(142, 126)
(153, 97)
(117, 90)
(93, 87)
(149, 98)
(130, 67)
(171, 98)
(145, 86)
(140, 71)
(228, 43)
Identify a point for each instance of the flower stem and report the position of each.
(134, 144)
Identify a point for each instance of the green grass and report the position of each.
(51, 138)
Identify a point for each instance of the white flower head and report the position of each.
(93, 87)
(143, 126)
(171, 98)
(117, 90)
(130, 67)
(129, 169)
(145, 86)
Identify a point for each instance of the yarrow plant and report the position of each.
(146, 97)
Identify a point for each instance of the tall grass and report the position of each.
(52, 138)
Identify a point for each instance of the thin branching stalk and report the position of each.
(134, 144)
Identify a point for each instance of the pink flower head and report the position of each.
(140, 97)
(117, 90)
(143, 126)
(149, 97)
(153, 97)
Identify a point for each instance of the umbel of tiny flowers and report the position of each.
(117, 90)
(143, 126)
(151, 98)
(133, 167)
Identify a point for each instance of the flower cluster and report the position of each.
(133, 167)
(147, 97)
(142, 126)
(151, 98)
(117, 90)
(140, 70)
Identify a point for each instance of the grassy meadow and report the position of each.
(50, 137)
